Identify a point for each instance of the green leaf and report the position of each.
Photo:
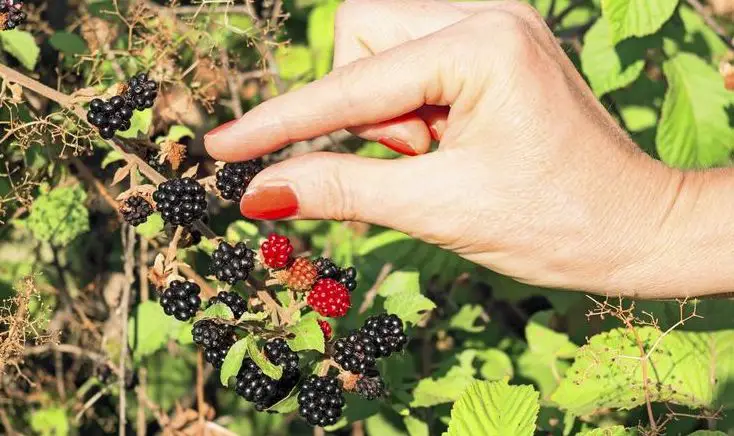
(140, 125)
(409, 306)
(51, 421)
(308, 334)
(233, 361)
(321, 36)
(21, 45)
(415, 426)
(294, 61)
(218, 310)
(273, 371)
(466, 318)
(707, 433)
(60, 215)
(430, 392)
(68, 43)
(287, 404)
(110, 157)
(694, 369)
(241, 230)
(176, 133)
(151, 227)
(398, 282)
(617, 430)
(609, 67)
(496, 364)
(249, 316)
(494, 408)
(545, 341)
(150, 328)
(694, 128)
(636, 17)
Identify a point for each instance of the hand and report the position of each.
(532, 177)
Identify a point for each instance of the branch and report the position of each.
(709, 20)
(129, 244)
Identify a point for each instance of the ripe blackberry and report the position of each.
(141, 92)
(136, 210)
(232, 264)
(253, 385)
(214, 338)
(370, 386)
(234, 178)
(321, 400)
(355, 352)
(215, 355)
(181, 299)
(386, 331)
(325, 329)
(232, 300)
(278, 352)
(329, 298)
(276, 251)
(301, 275)
(326, 268)
(109, 116)
(151, 158)
(180, 201)
(348, 278)
(12, 13)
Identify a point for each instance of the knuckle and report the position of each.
(514, 34)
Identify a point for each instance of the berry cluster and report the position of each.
(141, 92)
(180, 201)
(380, 336)
(321, 400)
(232, 264)
(11, 14)
(355, 353)
(254, 386)
(237, 304)
(215, 339)
(181, 299)
(234, 178)
(329, 298)
(276, 251)
(136, 210)
(327, 269)
(387, 333)
(370, 386)
(110, 116)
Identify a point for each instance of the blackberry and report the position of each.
(232, 264)
(180, 201)
(355, 353)
(136, 210)
(348, 278)
(278, 352)
(232, 300)
(370, 386)
(215, 355)
(321, 400)
(151, 158)
(109, 116)
(13, 14)
(234, 178)
(141, 92)
(254, 386)
(214, 338)
(386, 331)
(181, 299)
(326, 268)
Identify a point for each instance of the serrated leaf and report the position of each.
(400, 281)
(494, 409)
(466, 318)
(496, 364)
(415, 426)
(151, 227)
(68, 43)
(60, 215)
(609, 66)
(320, 34)
(430, 392)
(273, 371)
(241, 230)
(694, 130)
(110, 157)
(636, 17)
(308, 334)
(408, 306)
(176, 133)
(22, 46)
(233, 361)
(617, 430)
(545, 341)
(150, 328)
(287, 404)
(218, 310)
(140, 124)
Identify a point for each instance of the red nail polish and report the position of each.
(220, 128)
(269, 203)
(398, 146)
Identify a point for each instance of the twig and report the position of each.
(129, 244)
(173, 245)
(556, 20)
(187, 271)
(369, 296)
(90, 402)
(35, 86)
(59, 374)
(711, 22)
(270, 304)
(188, 10)
(143, 270)
(65, 348)
(140, 392)
(200, 387)
(235, 101)
(6, 423)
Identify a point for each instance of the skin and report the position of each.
(532, 177)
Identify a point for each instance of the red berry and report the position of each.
(301, 274)
(276, 251)
(329, 298)
(325, 328)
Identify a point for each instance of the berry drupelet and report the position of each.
(234, 178)
(141, 92)
(370, 386)
(110, 116)
(236, 303)
(355, 352)
(232, 264)
(321, 400)
(348, 278)
(214, 338)
(386, 331)
(325, 329)
(13, 14)
(301, 274)
(180, 201)
(136, 210)
(329, 298)
(181, 300)
(254, 386)
(276, 251)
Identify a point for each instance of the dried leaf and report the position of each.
(173, 152)
(145, 191)
(191, 172)
(98, 33)
(727, 72)
(16, 93)
(123, 173)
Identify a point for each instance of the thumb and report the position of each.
(343, 187)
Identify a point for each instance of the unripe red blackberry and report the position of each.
(329, 298)
(355, 352)
(181, 300)
(234, 178)
(386, 331)
(325, 329)
(236, 303)
(136, 210)
(276, 251)
(141, 92)
(180, 201)
(370, 386)
(321, 400)
(301, 274)
(232, 264)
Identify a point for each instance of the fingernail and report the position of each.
(220, 128)
(398, 146)
(269, 203)
(434, 133)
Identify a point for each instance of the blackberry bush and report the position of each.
(386, 331)
(321, 400)
(232, 264)
(181, 300)
(355, 352)
(180, 201)
(237, 304)
(234, 178)
(136, 210)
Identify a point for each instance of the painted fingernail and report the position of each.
(219, 129)
(398, 146)
(269, 203)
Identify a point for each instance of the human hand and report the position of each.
(532, 177)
